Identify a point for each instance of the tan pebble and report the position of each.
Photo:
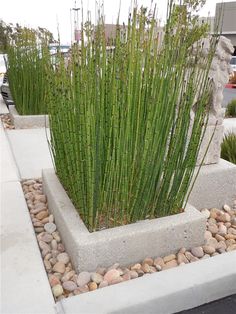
(159, 261)
(54, 244)
(222, 230)
(169, 258)
(96, 277)
(197, 251)
(226, 208)
(148, 260)
(212, 242)
(227, 224)
(92, 286)
(59, 267)
(41, 198)
(47, 264)
(231, 248)
(214, 254)
(136, 266)
(53, 280)
(152, 269)
(158, 267)
(206, 256)
(133, 274)
(41, 215)
(221, 245)
(190, 257)
(37, 224)
(61, 247)
(126, 277)
(209, 249)
(214, 212)
(221, 251)
(56, 236)
(84, 289)
(43, 245)
(219, 237)
(57, 290)
(68, 276)
(213, 229)
(48, 256)
(117, 280)
(207, 235)
(229, 242)
(230, 237)
(181, 258)
(145, 268)
(120, 271)
(103, 284)
(232, 231)
(45, 220)
(182, 250)
(111, 275)
(53, 260)
(170, 264)
(44, 252)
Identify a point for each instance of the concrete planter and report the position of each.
(125, 244)
(27, 121)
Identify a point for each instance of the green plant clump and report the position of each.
(231, 109)
(127, 118)
(28, 60)
(228, 147)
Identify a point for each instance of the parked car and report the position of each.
(232, 79)
(5, 89)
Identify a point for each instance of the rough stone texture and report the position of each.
(219, 73)
(215, 185)
(125, 244)
(28, 122)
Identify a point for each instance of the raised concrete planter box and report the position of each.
(27, 122)
(126, 244)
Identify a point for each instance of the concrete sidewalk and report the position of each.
(24, 285)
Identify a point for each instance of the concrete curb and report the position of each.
(165, 292)
(125, 244)
(29, 121)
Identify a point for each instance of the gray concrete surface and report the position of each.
(9, 171)
(166, 292)
(126, 244)
(215, 186)
(28, 121)
(31, 151)
(24, 285)
(3, 107)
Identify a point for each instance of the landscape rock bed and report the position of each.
(6, 120)
(220, 237)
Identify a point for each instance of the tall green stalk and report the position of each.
(29, 61)
(124, 134)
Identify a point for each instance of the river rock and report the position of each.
(63, 257)
(92, 286)
(209, 249)
(59, 267)
(83, 278)
(111, 275)
(96, 278)
(197, 251)
(50, 227)
(169, 258)
(69, 285)
(57, 290)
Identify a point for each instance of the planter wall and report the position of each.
(125, 244)
(28, 121)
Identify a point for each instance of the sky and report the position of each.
(50, 13)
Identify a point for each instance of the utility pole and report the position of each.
(76, 23)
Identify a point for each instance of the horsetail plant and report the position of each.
(127, 118)
(29, 61)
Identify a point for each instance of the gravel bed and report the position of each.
(6, 120)
(220, 237)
